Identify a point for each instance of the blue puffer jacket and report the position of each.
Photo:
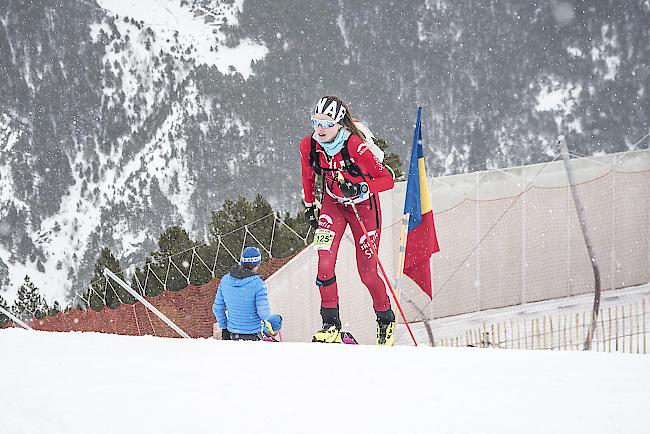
(244, 295)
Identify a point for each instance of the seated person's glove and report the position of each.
(350, 189)
(310, 216)
(273, 325)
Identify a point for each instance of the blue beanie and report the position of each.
(251, 255)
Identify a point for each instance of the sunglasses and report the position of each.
(322, 123)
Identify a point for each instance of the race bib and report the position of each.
(323, 239)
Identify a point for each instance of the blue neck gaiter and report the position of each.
(332, 148)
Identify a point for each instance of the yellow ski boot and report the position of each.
(386, 333)
(329, 334)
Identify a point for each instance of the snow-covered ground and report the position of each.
(90, 382)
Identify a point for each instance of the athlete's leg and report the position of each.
(332, 218)
(366, 260)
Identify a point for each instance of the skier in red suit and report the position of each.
(339, 149)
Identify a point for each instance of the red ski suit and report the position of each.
(335, 216)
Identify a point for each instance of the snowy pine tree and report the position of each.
(228, 225)
(3, 318)
(176, 252)
(55, 309)
(29, 303)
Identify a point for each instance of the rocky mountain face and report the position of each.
(119, 118)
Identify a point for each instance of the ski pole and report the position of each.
(374, 251)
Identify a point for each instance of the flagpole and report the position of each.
(403, 234)
(402, 256)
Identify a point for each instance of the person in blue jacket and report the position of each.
(242, 302)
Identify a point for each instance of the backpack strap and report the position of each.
(314, 161)
(349, 165)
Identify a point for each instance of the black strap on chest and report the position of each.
(348, 164)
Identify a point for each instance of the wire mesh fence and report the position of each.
(196, 265)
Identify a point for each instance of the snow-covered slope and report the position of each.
(74, 382)
(140, 161)
(196, 28)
